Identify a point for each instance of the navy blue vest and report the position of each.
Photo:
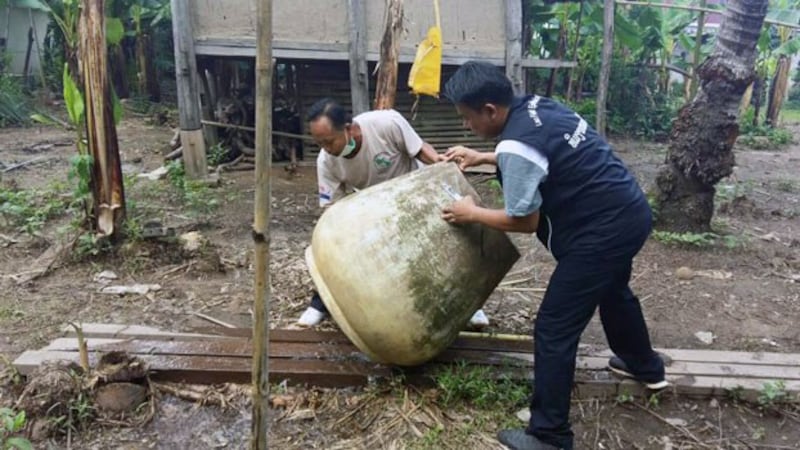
(591, 202)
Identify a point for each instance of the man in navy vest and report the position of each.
(561, 180)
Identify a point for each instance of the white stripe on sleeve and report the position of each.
(523, 150)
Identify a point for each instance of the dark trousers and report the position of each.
(316, 303)
(578, 286)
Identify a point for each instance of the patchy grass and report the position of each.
(698, 240)
(477, 386)
(196, 195)
(762, 137)
(786, 185)
(27, 210)
(483, 402)
(790, 116)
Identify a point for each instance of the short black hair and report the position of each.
(329, 108)
(477, 83)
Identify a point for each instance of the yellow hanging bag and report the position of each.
(426, 72)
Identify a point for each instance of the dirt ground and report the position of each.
(751, 302)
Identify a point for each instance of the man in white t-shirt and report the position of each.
(357, 153)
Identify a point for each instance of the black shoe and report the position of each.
(518, 439)
(618, 366)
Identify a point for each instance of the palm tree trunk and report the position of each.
(700, 152)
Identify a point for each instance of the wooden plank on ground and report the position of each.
(242, 348)
(523, 345)
(346, 352)
(105, 330)
(488, 343)
(327, 358)
(483, 342)
(212, 370)
(724, 356)
(747, 389)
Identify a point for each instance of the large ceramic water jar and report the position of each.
(401, 282)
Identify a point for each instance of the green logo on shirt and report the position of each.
(382, 161)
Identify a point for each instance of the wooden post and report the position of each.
(605, 65)
(386, 86)
(263, 201)
(359, 77)
(514, 70)
(101, 132)
(194, 147)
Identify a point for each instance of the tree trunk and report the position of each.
(571, 70)
(116, 68)
(560, 50)
(101, 132)
(759, 85)
(386, 85)
(151, 86)
(700, 152)
(605, 65)
(777, 90)
(579, 89)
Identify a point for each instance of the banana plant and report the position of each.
(673, 25)
(65, 14)
(140, 18)
(780, 58)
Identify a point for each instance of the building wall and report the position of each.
(470, 27)
(14, 24)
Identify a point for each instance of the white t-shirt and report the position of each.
(389, 146)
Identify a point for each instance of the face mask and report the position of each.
(348, 148)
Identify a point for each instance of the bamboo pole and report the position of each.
(232, 126)
(699, 9)
(263, 196)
